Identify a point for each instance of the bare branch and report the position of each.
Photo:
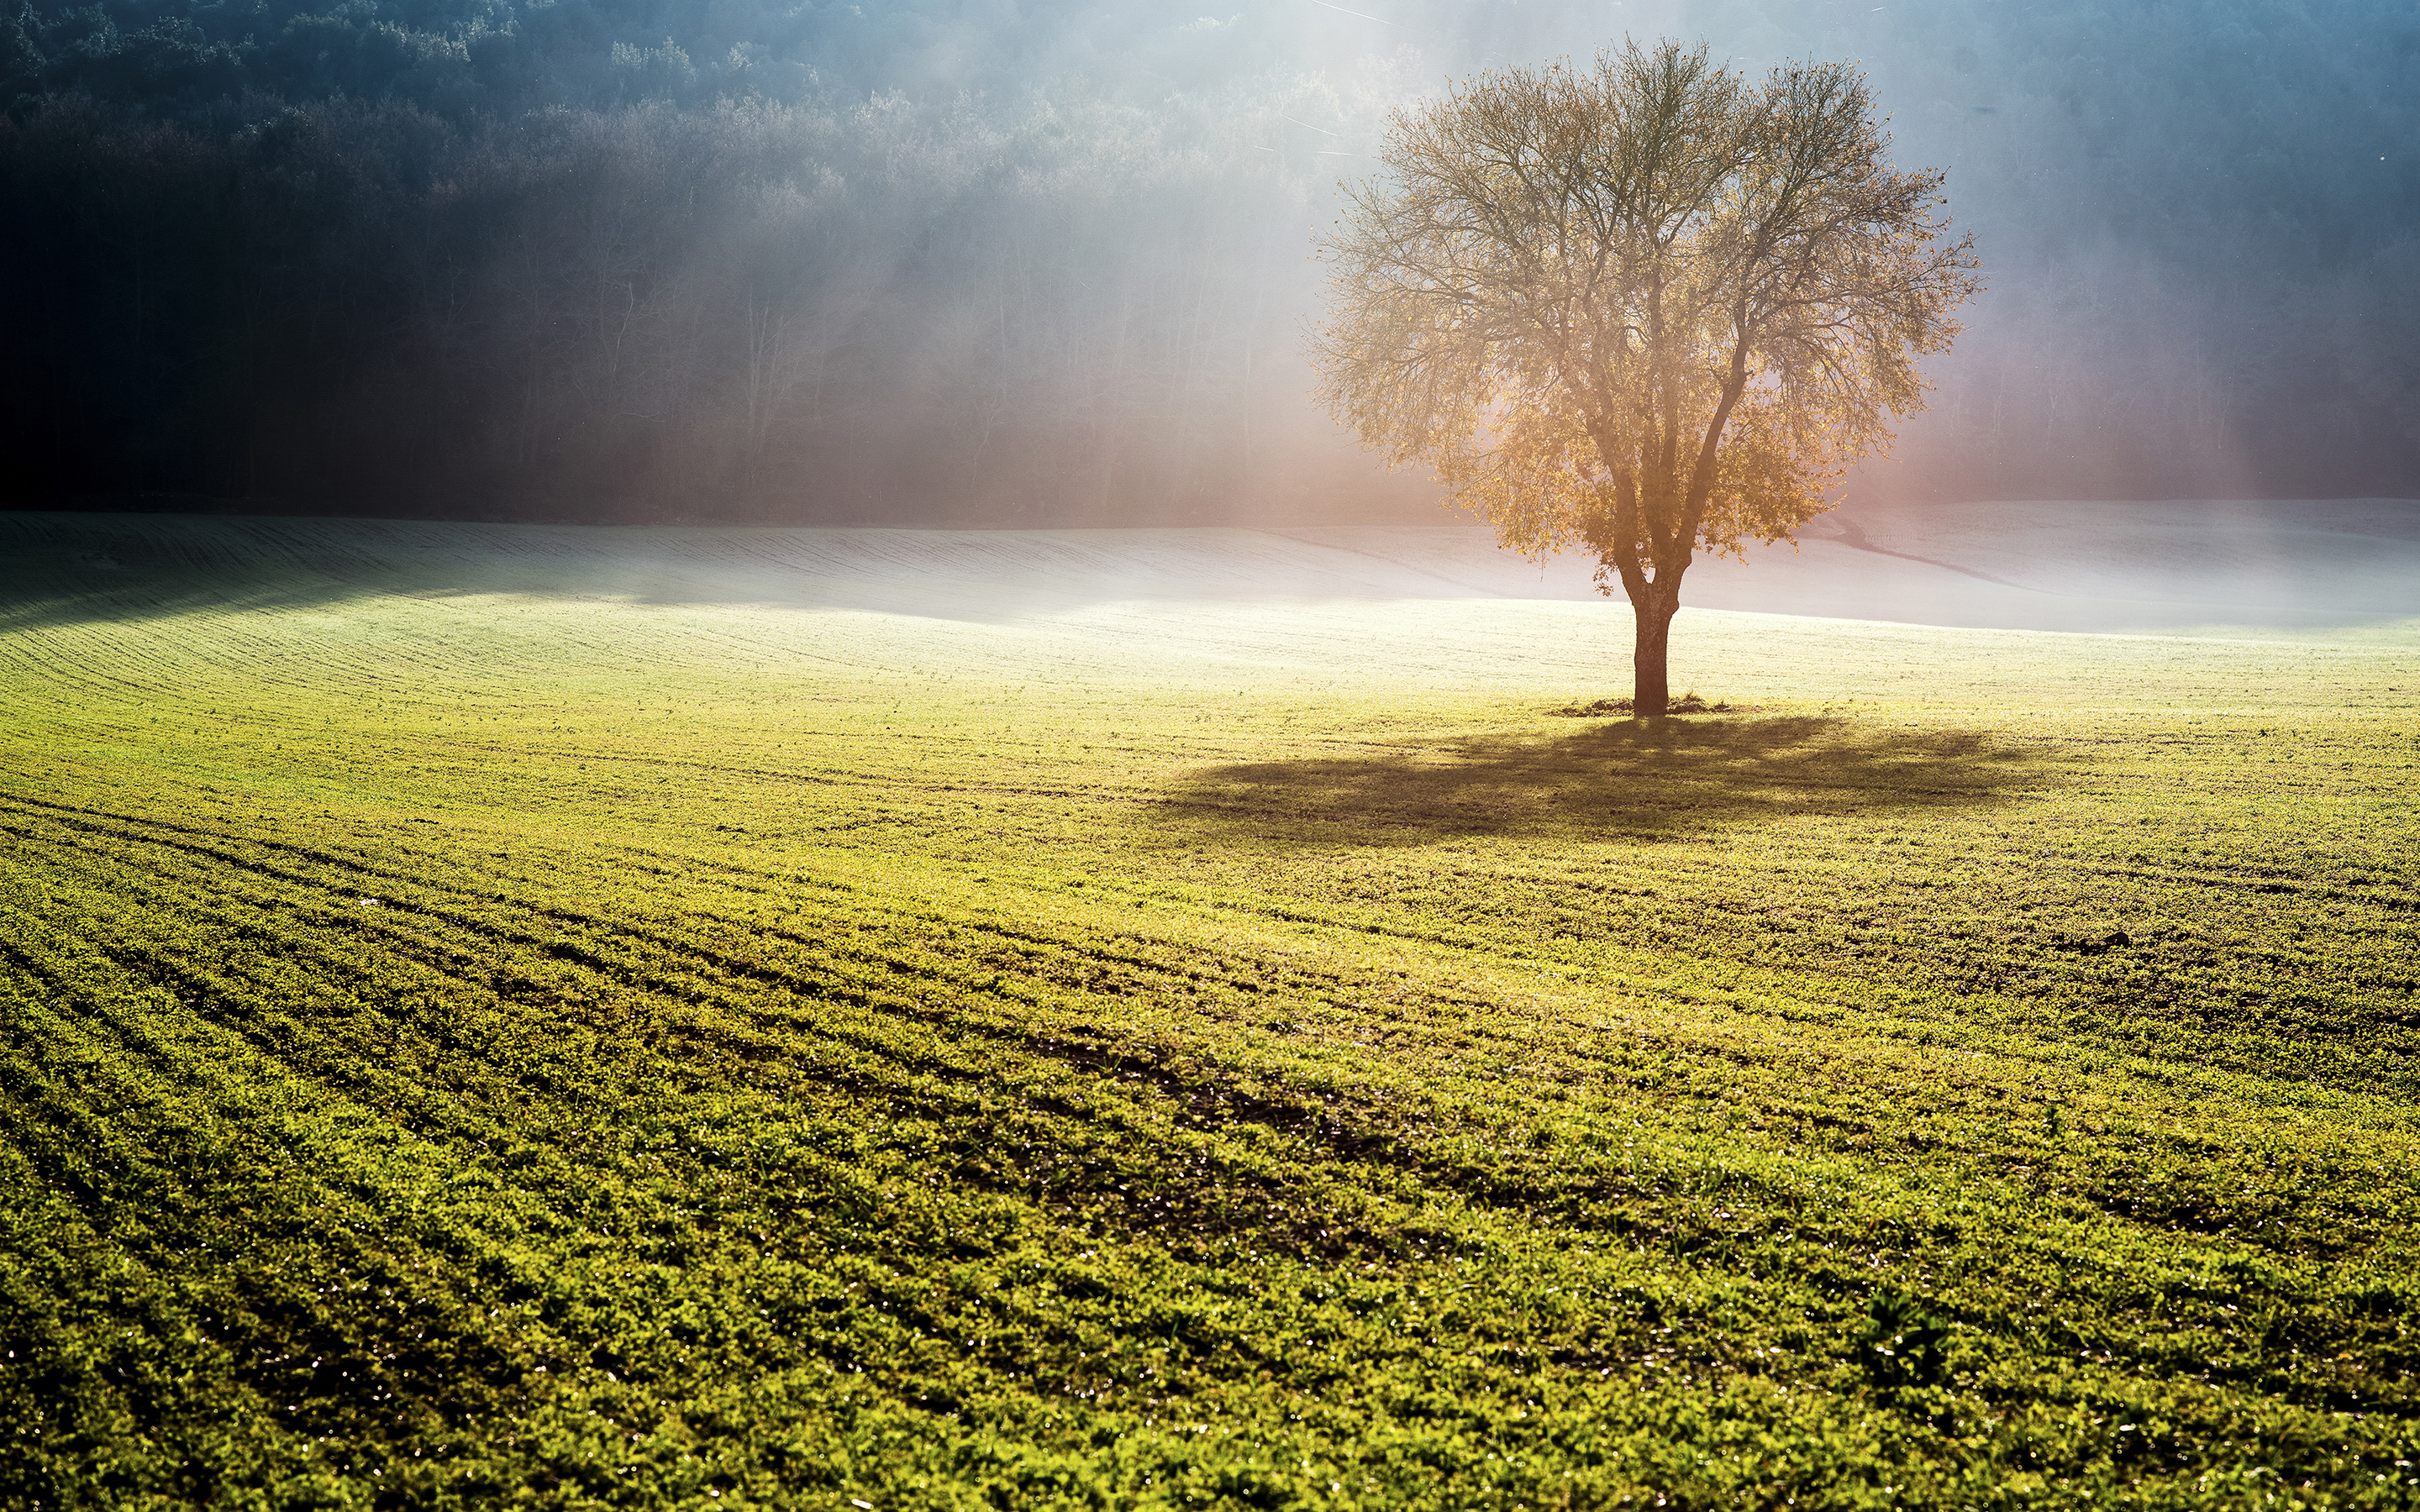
(1643, 306)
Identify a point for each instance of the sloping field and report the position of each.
(509, 1015)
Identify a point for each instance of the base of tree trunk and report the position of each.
(1628, 708)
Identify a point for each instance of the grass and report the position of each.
(471, 1042)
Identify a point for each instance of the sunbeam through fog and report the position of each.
(958, 263)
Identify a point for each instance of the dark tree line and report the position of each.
(984, 260)
(746, 307)
(381, 257)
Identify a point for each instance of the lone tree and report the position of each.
(1647, 306)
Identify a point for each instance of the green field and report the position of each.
(490, 1022)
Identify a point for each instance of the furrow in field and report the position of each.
(1340, 1152)
(1618, 1229)
(1356, 1057)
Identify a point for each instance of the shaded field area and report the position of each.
(674, 1039)
(1647, 778)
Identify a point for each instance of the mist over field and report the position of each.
(965, 263)
(718, 791)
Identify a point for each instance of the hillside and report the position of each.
(1178, 1019)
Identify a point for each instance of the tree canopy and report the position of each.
(1646, 307)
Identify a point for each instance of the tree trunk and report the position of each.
(1652, 611)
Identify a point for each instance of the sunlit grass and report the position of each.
(650, 1052)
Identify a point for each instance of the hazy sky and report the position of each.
(970, 258)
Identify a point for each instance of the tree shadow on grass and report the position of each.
(1645, 778)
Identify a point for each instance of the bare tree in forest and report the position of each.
(1647, 306)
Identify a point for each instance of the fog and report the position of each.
(968, 263)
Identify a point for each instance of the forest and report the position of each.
(969, 262)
